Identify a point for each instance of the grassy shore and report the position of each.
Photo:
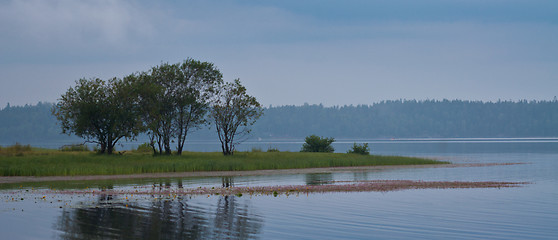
(56, 163)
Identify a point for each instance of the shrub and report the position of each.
(272, 149)
(144, 147)
(314, 143)
(16, 149)
(360, 149)
(74, 148)
(256, 149)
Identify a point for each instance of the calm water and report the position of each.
(529, 212)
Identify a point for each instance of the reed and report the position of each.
(58, 163)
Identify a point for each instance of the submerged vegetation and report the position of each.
(359, 186)
(58, 163)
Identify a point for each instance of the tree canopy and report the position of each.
(167, 102)
(233, 111)
(174, 99)
(100, 111)
(314, 143)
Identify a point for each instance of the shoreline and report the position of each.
(27, 179)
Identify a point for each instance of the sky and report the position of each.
(290, 52)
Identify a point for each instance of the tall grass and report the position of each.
(56, 163)
(15, 150)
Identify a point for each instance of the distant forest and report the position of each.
(386, 119)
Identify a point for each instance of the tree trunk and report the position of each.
(110, 145)
(110, 149)
(103, 148)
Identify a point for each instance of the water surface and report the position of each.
(528, 212)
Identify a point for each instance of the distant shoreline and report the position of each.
(27, 179)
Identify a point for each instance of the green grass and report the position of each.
(56, 163)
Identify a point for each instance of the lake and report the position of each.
(37, 211)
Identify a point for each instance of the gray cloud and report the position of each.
(283, 55)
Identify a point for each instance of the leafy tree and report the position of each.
(197, 84)
(363, 149)
(314, 143)
(102, 112)
(174, 99)
(233, 111)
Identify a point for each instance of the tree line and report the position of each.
(413, 119)
(387, 119)
(165, 102)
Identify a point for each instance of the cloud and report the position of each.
(63, 27)
(284, 52)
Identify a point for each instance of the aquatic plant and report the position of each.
(358, 186)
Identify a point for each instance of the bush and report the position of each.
(272, 149)
(144, 147)
(360, 149)
(74, 148)
(314, 143)
(256, 149)
(16, 150)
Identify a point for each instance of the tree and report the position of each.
(314, 143)
(195, 87)
(102, 112)
(233, 111)
(174, 99)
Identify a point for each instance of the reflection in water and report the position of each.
(319, 178)
(227, 182)
(360, 176)
(160, 218)
(233, 221)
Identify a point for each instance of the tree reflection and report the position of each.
(227, 182)
(360, 176)
(161, 218)
(318, 178)
(234, 221)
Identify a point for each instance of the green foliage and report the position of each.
(272, 150)
(144, 147)
(174, 99)
(363, 149)
(75, 148)
(256, 149)
(314, 143)
(57, 163)
(15, 150)
(233, 111)
(100, 111)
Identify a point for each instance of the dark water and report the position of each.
(529, 212)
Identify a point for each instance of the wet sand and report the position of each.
(22, 179)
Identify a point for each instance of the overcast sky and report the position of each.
(290, 51)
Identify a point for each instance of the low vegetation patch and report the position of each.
(74, 148)
(15, 150)
(363, 149)
(58, 163)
